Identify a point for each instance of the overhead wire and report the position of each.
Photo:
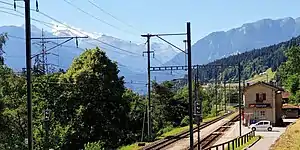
(67, 47)
(85, 12)
(104, 11)
(21, 15)
(21, 38)
(67, 26)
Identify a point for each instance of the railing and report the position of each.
(232, 144)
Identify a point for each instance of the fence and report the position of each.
(232, 144)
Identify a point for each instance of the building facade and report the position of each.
(290, 111)
(262, 101)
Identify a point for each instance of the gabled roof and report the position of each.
(266, 85)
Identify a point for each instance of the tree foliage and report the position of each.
(88, 104)
(289, 73)
(3, 39)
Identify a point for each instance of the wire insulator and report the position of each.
(76, 42)
(37, 5)
(15, 5)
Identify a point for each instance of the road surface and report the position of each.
(269, 137)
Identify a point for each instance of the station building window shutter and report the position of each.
(264, 96)
(257, 97)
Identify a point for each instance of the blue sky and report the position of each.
(158, 16)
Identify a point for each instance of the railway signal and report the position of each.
(197, 109)
(47, 120)
(47, 114)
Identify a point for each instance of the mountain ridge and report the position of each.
(214, 46)
(246, 37)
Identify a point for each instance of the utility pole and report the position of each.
(28, 67)
(188, 34)
(240, 115)
(149, 85)
(47, 120)
(216, 90)
(197, 106)
(225, 94)
(142, 138)
(189, 51)
(197, 99)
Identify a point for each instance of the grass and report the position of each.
(269, 75)
(245, 145)
(178, 130)
(290, 139)
(130, 147)
(133, 146)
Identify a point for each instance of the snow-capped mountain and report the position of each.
(126, 53)
(247, 37)
(129, 54)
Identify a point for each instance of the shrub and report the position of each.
(94, 146)
(184, 121)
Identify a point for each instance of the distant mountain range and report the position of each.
(247, 37)
(133, 65)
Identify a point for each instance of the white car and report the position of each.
(261, 125)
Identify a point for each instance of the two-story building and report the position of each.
(262, 101)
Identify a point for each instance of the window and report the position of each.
(266, 123)
(260, 97)
(262, 113)
(260, 123)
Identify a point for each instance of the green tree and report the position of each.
(13, 124)
(94, 103)
(94, 146)
(47, 93)
(289, 73)
(136, 115)
(3, 38)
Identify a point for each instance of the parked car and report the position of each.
(261, 125)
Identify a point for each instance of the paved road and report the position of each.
(264, 144)
(268, 138)
(185, 143)
(289, 120)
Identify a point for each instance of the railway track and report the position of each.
(172, 139)
(208, 140)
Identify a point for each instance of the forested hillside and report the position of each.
(252, 62)
(288, 74)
